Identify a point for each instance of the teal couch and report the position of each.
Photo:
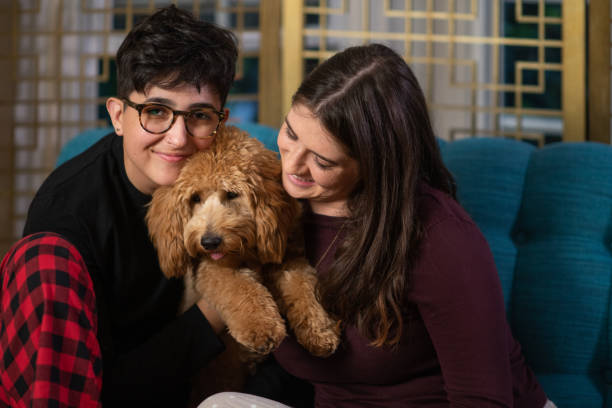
(547, 215)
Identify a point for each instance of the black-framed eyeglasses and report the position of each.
(156, 118)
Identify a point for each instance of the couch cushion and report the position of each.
(80, 143)
(490, 175)
(561, 293)
(572, 390)
(547, 215)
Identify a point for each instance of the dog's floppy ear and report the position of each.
(165, 217)
(275, 216)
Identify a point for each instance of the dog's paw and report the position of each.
(319, 334)
(260, 335)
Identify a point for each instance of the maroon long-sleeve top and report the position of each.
(457, 350)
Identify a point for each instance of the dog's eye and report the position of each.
(195, 198)
(231, 195)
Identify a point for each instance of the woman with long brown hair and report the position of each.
(401, 265)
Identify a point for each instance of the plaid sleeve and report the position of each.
(49, 352)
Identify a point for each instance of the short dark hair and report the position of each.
(368, 98)
(170, 48)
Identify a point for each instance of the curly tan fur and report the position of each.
(225, 226)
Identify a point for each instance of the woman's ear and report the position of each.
(114, 106)
(226, 113)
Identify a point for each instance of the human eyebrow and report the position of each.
(201, 105)
(171, 104)
(161, 101)
(293, 135)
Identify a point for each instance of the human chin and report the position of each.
(167, 176)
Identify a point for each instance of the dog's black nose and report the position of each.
(210, 241)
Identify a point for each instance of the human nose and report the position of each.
(177, 135)
(294, 157)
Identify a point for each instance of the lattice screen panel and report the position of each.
(600, 71)
(488, 67)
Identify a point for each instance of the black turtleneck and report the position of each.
(149, 354)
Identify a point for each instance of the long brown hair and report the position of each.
(370, 100)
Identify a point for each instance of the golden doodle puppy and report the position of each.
(231, 230)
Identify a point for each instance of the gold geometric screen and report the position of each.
(502, 68)
(487, 67)
(599, 71)
(57, 65)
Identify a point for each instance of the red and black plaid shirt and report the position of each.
(49, 353)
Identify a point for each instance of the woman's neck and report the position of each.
(329, 209)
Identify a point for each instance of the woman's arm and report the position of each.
(459, 296)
